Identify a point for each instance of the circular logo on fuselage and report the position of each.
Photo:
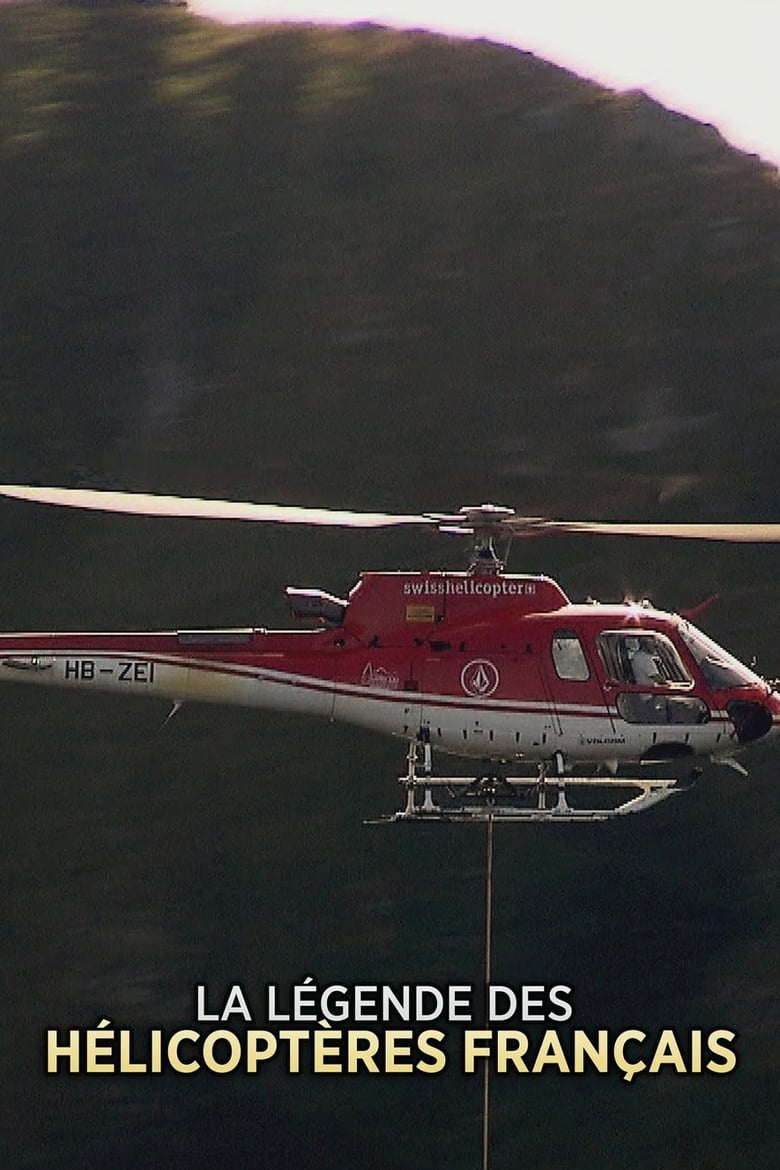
(479, 678)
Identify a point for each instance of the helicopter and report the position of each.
(582, 701)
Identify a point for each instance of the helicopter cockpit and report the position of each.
(644, 658)
(720, 669)
(649, 660)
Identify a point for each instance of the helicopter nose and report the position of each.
(752, 720)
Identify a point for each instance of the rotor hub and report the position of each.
(486, 523)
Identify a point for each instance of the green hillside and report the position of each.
(240, 259)
(382, 270)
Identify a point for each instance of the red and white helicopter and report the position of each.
(495, 667)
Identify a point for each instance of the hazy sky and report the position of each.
(718, 60)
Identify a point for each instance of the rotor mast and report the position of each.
(486, 524)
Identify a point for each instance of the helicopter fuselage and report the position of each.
(490, 666)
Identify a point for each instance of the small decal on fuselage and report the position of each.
(479, 678)
(377, 676)
(420, 613)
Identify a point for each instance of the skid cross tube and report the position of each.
(518, 798)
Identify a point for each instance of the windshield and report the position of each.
(720, 669)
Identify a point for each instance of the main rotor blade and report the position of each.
(142, 504)
(486, 517)
(739, 533)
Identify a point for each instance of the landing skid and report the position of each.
(520, 798)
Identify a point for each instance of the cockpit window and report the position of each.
(642, 658)
(720, 669)
(568, 656)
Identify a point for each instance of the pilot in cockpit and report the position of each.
(643, 665)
